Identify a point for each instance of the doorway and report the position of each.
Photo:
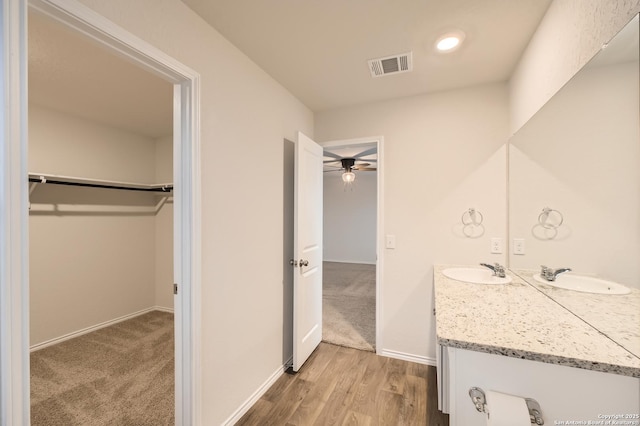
(96, 240)
(352, 261)
(186, 253)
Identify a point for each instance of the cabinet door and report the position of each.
(564, 393)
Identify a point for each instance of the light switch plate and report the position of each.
(390, 242)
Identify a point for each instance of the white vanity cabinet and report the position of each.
(513, 339)
(564, 393)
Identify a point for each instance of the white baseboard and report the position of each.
(235, 417)
(86, 330)
(408, 357)
(162, 309)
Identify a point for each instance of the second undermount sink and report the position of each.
(475, 276)
(584, 284)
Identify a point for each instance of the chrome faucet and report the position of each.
(498, 270)
(551, 274)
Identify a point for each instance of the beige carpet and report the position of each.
(349, 305)
(119, 375)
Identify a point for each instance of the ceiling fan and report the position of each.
(348, 164)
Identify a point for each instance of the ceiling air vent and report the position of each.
(390, 65)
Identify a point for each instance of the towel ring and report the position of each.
(472, 226)
(470, 217)
(544, 217)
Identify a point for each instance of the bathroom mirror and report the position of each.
(574, 188)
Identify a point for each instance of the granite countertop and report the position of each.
(615, 315)
(519, 321)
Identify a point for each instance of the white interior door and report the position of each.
(307, 249)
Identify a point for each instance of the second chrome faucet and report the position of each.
(551, 274)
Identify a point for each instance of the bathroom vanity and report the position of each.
(514, 338)
(574, 198)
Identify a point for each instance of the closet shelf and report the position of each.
(97, 183)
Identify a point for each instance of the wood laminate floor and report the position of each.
(344, 386)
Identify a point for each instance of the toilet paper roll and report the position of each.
(506, 410)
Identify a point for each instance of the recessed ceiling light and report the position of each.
(450, 41)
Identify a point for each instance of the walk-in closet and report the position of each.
(100, 234)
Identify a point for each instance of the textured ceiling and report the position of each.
(319, 49)
(624, 47)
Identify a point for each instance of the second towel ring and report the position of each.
(472, 217)
(543, 218)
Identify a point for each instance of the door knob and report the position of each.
(304, 262)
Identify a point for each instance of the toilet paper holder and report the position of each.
(480, 401)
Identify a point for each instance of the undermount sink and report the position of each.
(475, 276)
(584, 284)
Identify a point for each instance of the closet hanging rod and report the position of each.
(95, 183)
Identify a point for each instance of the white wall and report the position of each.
(164, 227)
(444, 153)
(65, 145)
(87, 268)
(245, 115)
(599, 199)
(571, 32)
(350, 218)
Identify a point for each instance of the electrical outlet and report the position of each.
(496, 245)
(518, 246)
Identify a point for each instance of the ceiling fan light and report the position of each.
(348, 177)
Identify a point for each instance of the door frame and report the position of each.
(379, 141)
(14, 219)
